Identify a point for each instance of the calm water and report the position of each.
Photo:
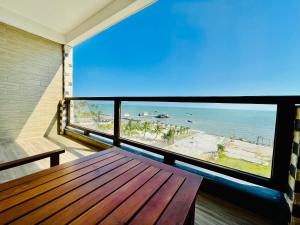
(245, 124)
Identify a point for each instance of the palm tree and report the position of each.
(146, 127)
(157, 129)
(188, 130)
(130, 127)
(181, 129)
(169, 136)
(96, 113)
(138, 125)
(79, 107)
(177, 130)
(82, 103)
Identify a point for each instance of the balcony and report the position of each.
(99, 122)
(246, 168)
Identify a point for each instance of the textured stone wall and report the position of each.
(30, 83)
(68, 86)
(68, 71)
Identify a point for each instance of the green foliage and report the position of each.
(138, 125)
(187, 130)
(221, 147)
(146, 127)
(108, 126)
(131, 127)
(177, 130)
(83, 103)
(157, 130)
(134, 127)
(96, 113)
(182, 129)
(80, 104)
(169, 137)
(243, 165)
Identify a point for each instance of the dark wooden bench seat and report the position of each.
(54, 159)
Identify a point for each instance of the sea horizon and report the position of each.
(245, 124)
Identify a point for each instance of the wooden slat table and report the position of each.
(109, 187)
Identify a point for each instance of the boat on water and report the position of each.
(162, 116)
(143, 114)
(190, 121)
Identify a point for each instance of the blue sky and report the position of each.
(195, 47)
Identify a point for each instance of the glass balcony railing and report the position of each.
(95, 115)
(237, 136)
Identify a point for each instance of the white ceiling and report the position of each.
(61, 16)
(65, 20)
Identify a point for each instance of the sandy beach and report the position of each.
(203, 146)
(232, 152)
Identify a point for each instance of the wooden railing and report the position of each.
(286, 107)
(53, 155)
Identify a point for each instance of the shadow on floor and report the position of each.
(23, 148)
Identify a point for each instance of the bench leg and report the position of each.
(191, 217)
(54, 160)
(169, 160)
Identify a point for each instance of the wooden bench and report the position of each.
(54, 159)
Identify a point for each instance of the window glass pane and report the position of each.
(95, 115)
(237, 136)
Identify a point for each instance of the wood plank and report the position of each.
(131, 206)
(34, 176)
(58, 174)
(74, 210)
(23, 196)
(150, 213)
(213, 210)
(122, 188)
(70, 191)
(31, 184)
(103, 208)
(179, 208)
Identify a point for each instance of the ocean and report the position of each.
(232, 123)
